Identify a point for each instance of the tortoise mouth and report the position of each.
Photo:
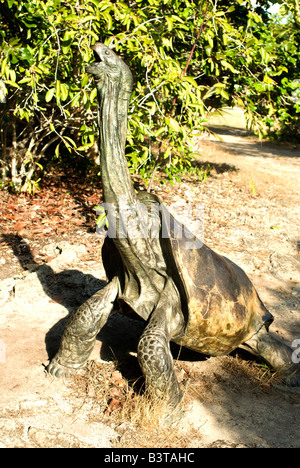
(96, 52)
(96, 67)
(97, 57)
(93, 68)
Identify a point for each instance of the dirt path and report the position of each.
(251, 214)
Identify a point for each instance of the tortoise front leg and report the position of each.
(80, 334)
(154, 353)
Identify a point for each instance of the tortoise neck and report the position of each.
(112, 121)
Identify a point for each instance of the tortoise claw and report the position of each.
(57, 370)
(292, 381)
(290, 377)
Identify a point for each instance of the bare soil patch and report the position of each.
(50, 262)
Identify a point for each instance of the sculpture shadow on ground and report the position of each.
(70, 288)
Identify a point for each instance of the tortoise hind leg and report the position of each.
(80, 334)
(277, 354)
(154, 353)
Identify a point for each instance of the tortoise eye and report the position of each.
(107, 52)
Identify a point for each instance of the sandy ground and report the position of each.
(251, 214)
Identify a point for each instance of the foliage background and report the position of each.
(188, 59)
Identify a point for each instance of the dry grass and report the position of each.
(115, 401)
(119, 401)
(115, 398)
(139, 421)
(226, 376)
(259, 375)
(103, 385)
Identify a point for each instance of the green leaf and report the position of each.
(69, 140)
(93, 95)
(191, 80)
(27, 79)
(173, 124)
(228, 66)
(66, 45)
(12, 83)
(57, 150)
(64, 89)
(102, 218)
(169, 21)
(89, 18)
(159, 132)
(49, 94)
(58, 84)
(167, 153)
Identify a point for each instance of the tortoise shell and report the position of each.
(220, 305)
(223, 307)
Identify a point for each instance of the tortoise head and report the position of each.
(108, 66)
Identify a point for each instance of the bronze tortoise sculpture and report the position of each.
(184, 291)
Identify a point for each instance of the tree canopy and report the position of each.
(188, 58)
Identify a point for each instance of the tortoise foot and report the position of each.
(172, 417)
(58, 370)
(292, 379)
